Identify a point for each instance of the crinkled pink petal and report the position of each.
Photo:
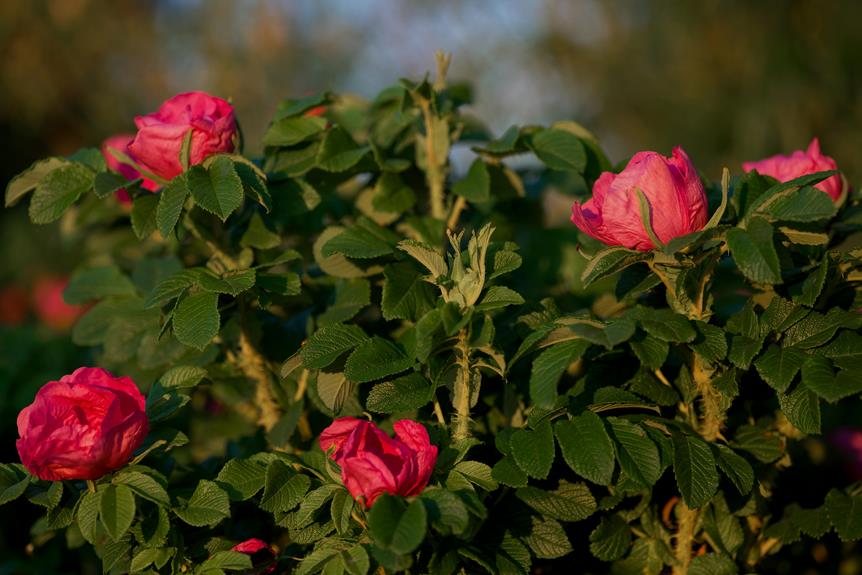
(423, 456)
(800, 163)
(368, 477)
(588, 216)
(337, 433)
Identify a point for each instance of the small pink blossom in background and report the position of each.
(156, 146)
(315, 111)
(255, 547)
(372, 463)
(676, 196)
(848, 440)
(83, 426)
(798, 164)
(14, 305)
(49, 306)
(120, 142)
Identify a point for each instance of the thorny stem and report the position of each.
(686, 529)
(253, 365)
(459, 206)
(462, 389)
(435, 174)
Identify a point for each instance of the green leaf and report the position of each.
(87, 514)
(291, 131)
(569, 502)
(97, 283)
(476, 185)
(218, 188)
(778, 366)
(666, 325)
(363, 240)
(242, 478)
(406, 393)
(29, 179)
(171, 287)
(351, 296)
(392, 195)
(341, 511)
(549, 366)
(766, 446)
(804, 204)
(196, 319)
(547, 539)
(802, 408)
(233, 282)
(406, 295)
(497, 297)
(182, 377)
(427, 256)
(815, 329)
(258, 236)
(586, 447)
(108, 183)
(117, 510)
(845, 511)
(283, 489)
(807, 292)
(743, 350)
(754, 251)
(144, 212)
(376, 358)
(397, 527)
(227, 560)
(13, 482)
(144, 486)
(329, 343)
(208, 505)
(637, 454)
(339, 152)
(445, 509)
(333, 389)
(534, 450)
(694, 468)
(171, 201)
(57, 190)
(477, 473)
(559, 150)
(611, 539)
(507, 472)
(610, 261)
(711, 341)
(735, 467)
(650, 350)
(712, 564)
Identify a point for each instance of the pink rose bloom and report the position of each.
(373, 463)
(83, 426)
(849, 441)
(797, 164)
(260, 552)
(13, 305)
(49, 306)
(157, 145)
(120, 142)
(672, 187)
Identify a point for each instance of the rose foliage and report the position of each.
(359, 353)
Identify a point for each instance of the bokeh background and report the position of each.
(728, 80)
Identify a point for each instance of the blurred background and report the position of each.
(728, 80)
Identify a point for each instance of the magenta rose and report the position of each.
(82, 427)
(672, 188)
(848, 440)
(373, 463)
(261, 555)
(797, 164)
(157, 145)
(50, 307)
(120, 142)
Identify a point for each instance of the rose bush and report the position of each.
(642, 392)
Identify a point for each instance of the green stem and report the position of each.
(253, 366)
(687, 527)
(91, 486)
(462, 389)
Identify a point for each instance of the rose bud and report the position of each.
(156, 147)
(373, 463)
(797, 164)
(13, 305)
(82, 427)
(49, 306)
(121, 142)
(674, 192)
(261, 554)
